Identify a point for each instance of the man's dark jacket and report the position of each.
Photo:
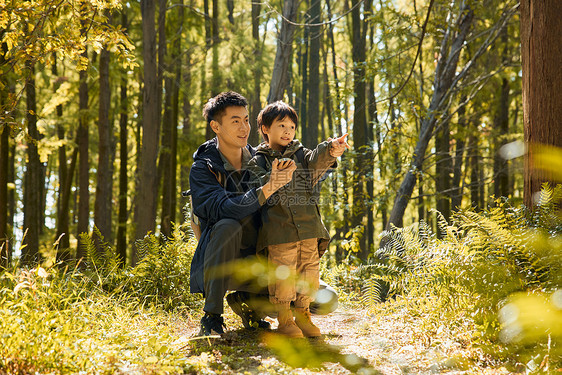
(215, 196)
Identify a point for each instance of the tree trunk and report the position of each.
(123, 156)
(216, 79)
(4, 165)
(456, 189)
(148, 183)
(360, 141)
(315, 38)
(255, 106)
(104, 187)
(444, 73)
(303, 69)
(283, 54)
(501, 129)
(62, 230)
(473, 161)
(442, 171)
(168, 153)
(541, 37)
(84, 164)
(33, 184)
(186, 123)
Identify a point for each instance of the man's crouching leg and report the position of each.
(222, 250)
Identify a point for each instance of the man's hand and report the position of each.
(281, 175)
(339, 145)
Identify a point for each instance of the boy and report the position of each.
(292, 231)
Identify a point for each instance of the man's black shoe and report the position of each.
(250, 320)
(211, 324)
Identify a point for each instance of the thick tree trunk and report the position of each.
(33, 184)
(541, 38)
(169, 134)
(148, 182)
(283, 54)
(104, 187)
(444, 73)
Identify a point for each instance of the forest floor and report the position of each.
(354, 341)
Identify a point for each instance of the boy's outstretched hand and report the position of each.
(339, 145)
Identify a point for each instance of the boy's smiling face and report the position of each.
(280, 133)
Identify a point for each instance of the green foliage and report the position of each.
(60, 323)
(502, 267)
(161, 277)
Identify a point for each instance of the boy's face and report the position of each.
(233, 128)
(280, 133)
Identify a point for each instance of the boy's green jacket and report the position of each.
(292, 213)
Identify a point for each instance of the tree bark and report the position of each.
(444, 73)
(255, 106)
(443, 171)
(541, 37)
(283, 54)
(456, 188)
(4, 165)
(168, 155)
(315, 38)
(148, 183)
(33, 184)
(123, 159)
(104, 187)
(83, 151)
(359, 119)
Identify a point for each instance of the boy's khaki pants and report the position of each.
(296, 272)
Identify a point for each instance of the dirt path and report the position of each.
(354, 342)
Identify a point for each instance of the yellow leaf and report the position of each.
(150, 360)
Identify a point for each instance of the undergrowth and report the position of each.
(497, 273)
(101, 319)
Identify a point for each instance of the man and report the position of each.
(226, 205)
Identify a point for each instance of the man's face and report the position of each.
(233, 128)
(280, 133)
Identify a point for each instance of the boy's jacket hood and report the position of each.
(290, 150)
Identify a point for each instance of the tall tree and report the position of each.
(443, 170)
(283, 54)
(314, 73)
(541, 38)
(63, 227)
(168, 155)
(83, 148)
(33, 184)
(145, 209)
(255, 105)
(4, 165)
(360, 141)
(123, 158)
(104, 187)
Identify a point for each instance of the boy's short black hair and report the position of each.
(215, 107)
(276, 110)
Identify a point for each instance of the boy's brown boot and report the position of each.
(302, 318)
(287, 324)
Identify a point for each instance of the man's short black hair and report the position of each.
(215, 107)
(276, 110)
